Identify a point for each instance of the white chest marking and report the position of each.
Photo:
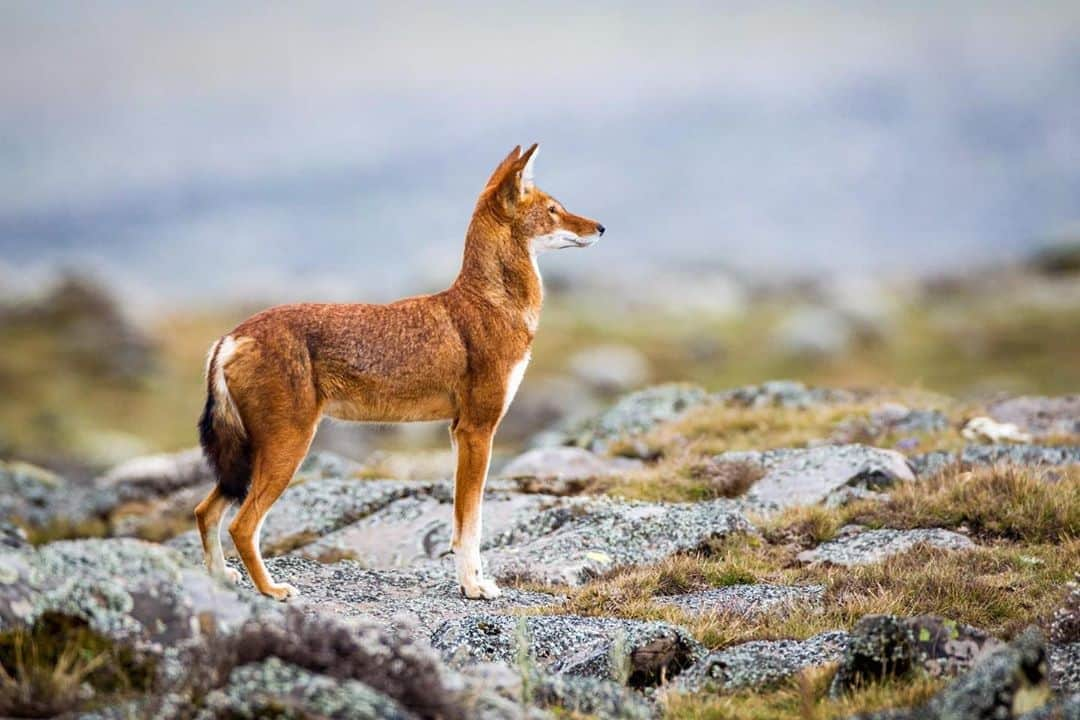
(513, 381)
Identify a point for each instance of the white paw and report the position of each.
(231, 575)
(481, 589)
(281, 591)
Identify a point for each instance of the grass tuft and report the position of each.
(59, 665)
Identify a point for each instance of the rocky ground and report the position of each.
(767, 552)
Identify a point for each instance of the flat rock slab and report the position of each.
(597, 535)
(747, 600)
(424, 597)
(761, 663)
(1040, 416)
(783, 393)
(872, 546)
(568, 644)
(417, 529)
(809, 476)
(312, 509)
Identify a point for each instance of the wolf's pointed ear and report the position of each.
(527, 170)
(500, 169)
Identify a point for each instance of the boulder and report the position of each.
(814, 332)
(760, 663)
(563, 470)
(884, 646)
(1020, 454)
(153, 476)
(811, 475)
(864, 547)
(610, 368)
(264, 688)
(633, 415)
(746, 600)
(640, 654)
(1042, 417)
(782, 393)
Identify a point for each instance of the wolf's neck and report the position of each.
(497, 267)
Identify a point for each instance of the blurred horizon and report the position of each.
(189, 153)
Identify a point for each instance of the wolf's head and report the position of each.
(534, 217)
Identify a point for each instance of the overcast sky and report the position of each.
(188, 150)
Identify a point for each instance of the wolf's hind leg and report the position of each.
(208, 516)
(273, 469)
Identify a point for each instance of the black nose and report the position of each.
(600, 229)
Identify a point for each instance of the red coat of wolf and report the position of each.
(457, 355)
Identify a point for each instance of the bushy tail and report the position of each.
(222, 435)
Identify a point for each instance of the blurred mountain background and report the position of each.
(844, 192)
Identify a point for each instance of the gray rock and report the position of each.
(927, 464)
(413, 530)
(563, 470)
(1007, 682)
(1020, 454)
(599, 534)
(782, 393)
(809, 476)
(814, 332)
(593, 697)
(272, 687)
(312, 509)
(747, 600)
(29, 494)
(871, 546)
(635, 414)
(1064, 659)
(1040, 416)
(761, 663)
(640, 654)
(610, 368)
(1065, 625)
(1064, 708)
(12, 537)
(894, 417)
(153, 476)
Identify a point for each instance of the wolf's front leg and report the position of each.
(473, 455)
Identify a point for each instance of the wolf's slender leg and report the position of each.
(208, 516)
(473, 456)
(273, 469)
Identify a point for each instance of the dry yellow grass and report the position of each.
(802, 698)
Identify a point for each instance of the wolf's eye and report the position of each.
(552, 209)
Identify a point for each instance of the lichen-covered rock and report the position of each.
(635, 414)
(747, 600)
(782, 393)
(1065, 625)
(882, 646)
(897, 418)
(29, 494)
(927, 464)
(1066, 708)
(599, 534)
(1064, 659)
(760, 663)
(1020, 454)
(563, 470)
(272, 687)
(631, 651)
(1040, 416)
(871, 546)
(808, 476)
